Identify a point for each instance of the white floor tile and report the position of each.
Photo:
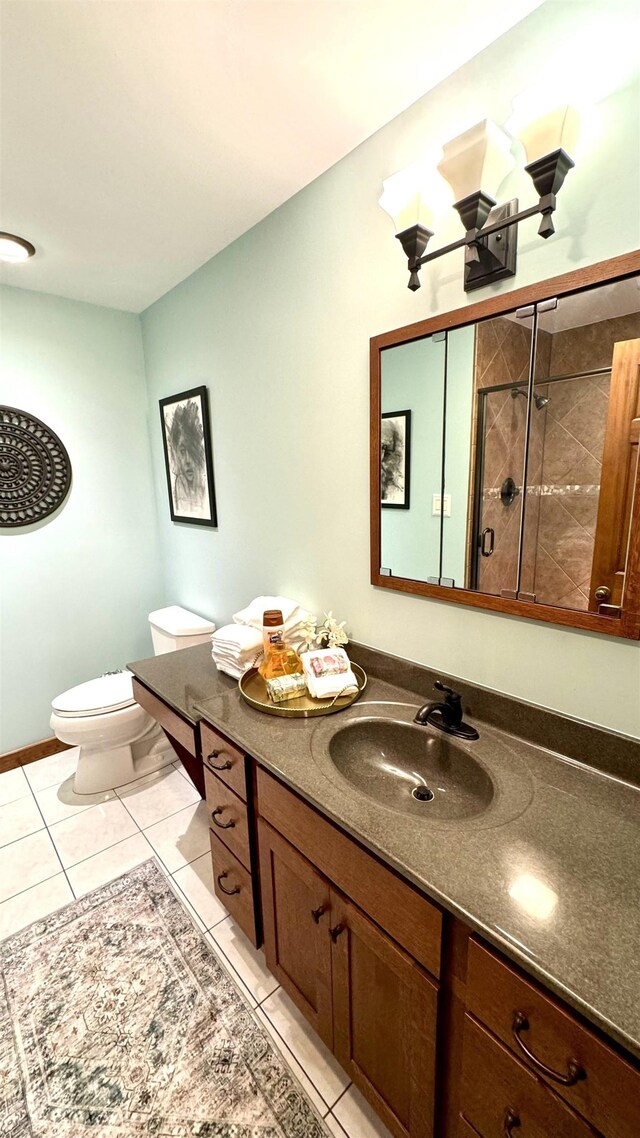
(181, 837)
(92, 830)
(27, 862)
(292, 1062)
(110, 863)
(158, 795)
(358, 1118)
(247, 961)
(34, 904)
(196, 882)
(13, 784)
(227, 967)
(320, 1065)
(19, 818)
(179, 767)
(60, 802)
(336, 1129)
(53, 770)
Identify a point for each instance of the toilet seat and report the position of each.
(101, 696)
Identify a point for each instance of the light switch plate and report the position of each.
(440, 500)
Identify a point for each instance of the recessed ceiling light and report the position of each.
(14, 249)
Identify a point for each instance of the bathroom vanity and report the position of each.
(474, 970)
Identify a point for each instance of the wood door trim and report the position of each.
(628, 626)
(615, 502)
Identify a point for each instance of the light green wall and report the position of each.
(413, 379)
(278, 327)
(77, 587)
(460, 397)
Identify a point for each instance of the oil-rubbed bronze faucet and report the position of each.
(446, 714)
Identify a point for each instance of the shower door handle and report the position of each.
(487, 539)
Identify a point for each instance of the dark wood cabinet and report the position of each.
(369, 1000)
(384, 1016)
(296, 916)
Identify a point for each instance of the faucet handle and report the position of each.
(449, 692)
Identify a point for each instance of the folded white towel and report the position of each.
(292, 613)
(328, 687)
(333, 682)
(235, 648)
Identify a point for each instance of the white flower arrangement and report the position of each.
(331, 634)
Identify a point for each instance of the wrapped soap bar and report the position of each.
(286, 687)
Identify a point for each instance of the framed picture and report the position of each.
(395, 450)
(187, 456)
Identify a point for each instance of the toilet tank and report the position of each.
(175, 627)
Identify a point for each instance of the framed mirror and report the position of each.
(504, 452)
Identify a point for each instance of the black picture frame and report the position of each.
(188, 458)
(395, 460)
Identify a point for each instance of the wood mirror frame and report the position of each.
(625, 621)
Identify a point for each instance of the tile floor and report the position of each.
(58, 846)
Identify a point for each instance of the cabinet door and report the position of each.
(385, 1011)
(295, 910)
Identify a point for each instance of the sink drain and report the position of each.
(422, 793)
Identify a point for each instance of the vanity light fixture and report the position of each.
(15, 249)
(475, 164)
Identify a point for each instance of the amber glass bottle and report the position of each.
(279, 659)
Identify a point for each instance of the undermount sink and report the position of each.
(408, 768)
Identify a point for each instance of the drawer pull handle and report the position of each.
(511, 1121)
(226, 766)
(574, 1070)
(317, 913)
(334, 933)
(229, 892)
(221, 825)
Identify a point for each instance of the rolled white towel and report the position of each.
(293, 614)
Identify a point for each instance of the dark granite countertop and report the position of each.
(550, 876)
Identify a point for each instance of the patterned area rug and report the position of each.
(118, 1021)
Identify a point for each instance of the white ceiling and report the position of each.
(141, 137)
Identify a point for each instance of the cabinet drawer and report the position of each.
(500, 1097)
(234, 886)
(224, 759)
(228, 817)
(172, 723)
(390, 901)
(606, 1090)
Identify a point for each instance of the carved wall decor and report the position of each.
(35, 470)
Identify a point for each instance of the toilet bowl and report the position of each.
(118, 740)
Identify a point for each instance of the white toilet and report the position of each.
(118, 740)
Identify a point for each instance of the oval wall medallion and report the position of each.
(35, 471)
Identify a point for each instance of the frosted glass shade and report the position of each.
(558, 130)
(405, 197)
(478, 159)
